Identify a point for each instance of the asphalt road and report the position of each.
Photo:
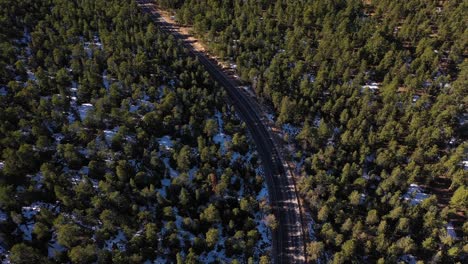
(288, 239)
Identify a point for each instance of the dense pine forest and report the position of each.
(378, 91)
(116, 147)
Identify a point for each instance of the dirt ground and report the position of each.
(186, 31)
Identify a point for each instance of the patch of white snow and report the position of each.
(84, 109)
(166, 142)
(415, 194)
(119, 242)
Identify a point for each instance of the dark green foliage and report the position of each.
(311, 60)
(87, 89)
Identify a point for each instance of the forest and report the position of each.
(116, 146)
(378, 91)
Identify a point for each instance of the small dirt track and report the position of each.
(288, 239)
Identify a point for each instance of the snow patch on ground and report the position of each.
(141, 104)
(28, 213)
(218, 254)
(3, 216)
(248, 157)
(362, 198)
(166, 142)
(165, 184)
(27, 229)
(317, 121)
(192, 172)
(409, 259)
(263, 194)
(259, 171)
(372, 86)
(173, 173)
(105, 80)
(271, 117)
(31, 76)
(84, 170)
(265, 239)
(58, 137)
(95, 183)
(54, 247)
(451, 230)
(310, 226)
(298, 165)
(235, 156)
(109, 134)
(37, 180)
(3, 91)
(415, 194)
(221, 138)
(465, 164)
(264, 242)
(89, 45)
(291, 130)
(119, 241)
(4, 255)
(75, 179)
(84, 109)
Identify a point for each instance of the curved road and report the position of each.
(288, 238)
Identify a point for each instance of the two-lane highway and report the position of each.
(288, 239)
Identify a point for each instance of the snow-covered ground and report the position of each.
(54, 247)
(451, 230)
(96, 43)
(173, 173)
(310, 226)
(58, 137)
(3, 216)
(259, 171)
(3, 91)
(464, 164)
(317, 121)
(265, 234)
(37, 179)
(4, 255)
(221, 139)
(409, 259)
(372, 86)
(28, 213)
(298, 165)
(291, 130)
(263, 194)
(105, 80)
(415, 194)
(31, 76)
(166, 183)
(109, 134)
(119, 242)
(192, 172)
(235, 156)
(264, 244)
(84, 109)
(166, 142)
(270, 117)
